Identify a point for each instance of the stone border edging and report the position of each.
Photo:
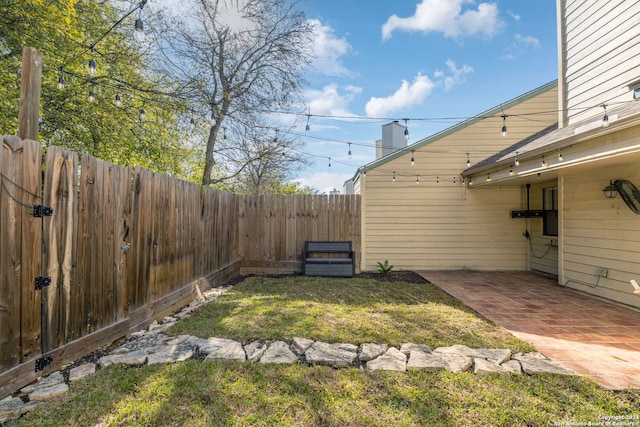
(152, 346)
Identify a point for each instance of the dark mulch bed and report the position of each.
(395, 276)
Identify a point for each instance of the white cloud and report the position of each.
(330, 101)
(325, 181)
(328, 50)
(514, 15)
(521, 45)
(408, 95)
(458, 75)
(448, 18)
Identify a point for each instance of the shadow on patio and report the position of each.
(590, 336)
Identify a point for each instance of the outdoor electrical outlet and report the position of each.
(602, 272)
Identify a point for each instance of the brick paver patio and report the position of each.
(590, 336)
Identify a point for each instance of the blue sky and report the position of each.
(441, 60)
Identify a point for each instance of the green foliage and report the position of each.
(385, 268)
(63, 31)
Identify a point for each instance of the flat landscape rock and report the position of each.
(48, 393)
(331, 354)
(371, 351)
(256, 349)
(532, 365)
(13, 408)
(213, 344)
(53, 379)
(495, 355)
(170, 354)
(300, 345)
(392, 360)
(279, 352)
(512, 367)
(81, 371)
(138, 357)
(231, 352)
(407, 348)
(419, 360)
(456, 362)
(457, 349)
(486, 367)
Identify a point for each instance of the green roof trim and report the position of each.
(455, 128)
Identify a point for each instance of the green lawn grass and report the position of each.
(204, 393)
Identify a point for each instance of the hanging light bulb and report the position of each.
(504, 125)
(275, 139)
(91, 97)
(437, 180)
(192, 123)
(560, 157)
(118, 101)
(349, 150)
(394, 176)
(517, 162)
(138, 33)
(454, 180)
(605, 118)
(488, 178)
(91, 68)
(406, 130)
(413, 160)
(417, 179)
(61, 81)
(143, 114)
(468, 160)
(544, 163)
(511, 172)
(329, 161)
(307, 127)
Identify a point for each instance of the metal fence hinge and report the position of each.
(40, 211)
(43, 363)
(42, 281)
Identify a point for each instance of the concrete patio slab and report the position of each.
(590, 336)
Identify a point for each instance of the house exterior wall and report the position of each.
(434, 225)
(599, 232)
(599, 56)
(542, 249)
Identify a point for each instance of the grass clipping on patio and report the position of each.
(357, 310)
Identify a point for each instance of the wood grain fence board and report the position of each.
(60, 193)
(32, 248)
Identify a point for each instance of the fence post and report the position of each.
(30, 88)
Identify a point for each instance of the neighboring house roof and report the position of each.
(493, 112)
(554, 138)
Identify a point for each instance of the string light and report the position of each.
(91, 97)
(138, 33)
(307, 127)
(91, 68)
(417, 179)
(61, 81)
(488, 178)
(406, 130)
(560, 157)
(437, 180)
(349, 151)
(143, 114)
(118, 101)
(192, 123)
(517, 162)
(605, 118)
(468, 160)
(544, 163)
(504, 125)
(275, 138)
(413, 160)
(394, 176)
(454, 180)
(511, 172)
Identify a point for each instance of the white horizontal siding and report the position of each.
(446, 226)
(601, 54)
(599, 232)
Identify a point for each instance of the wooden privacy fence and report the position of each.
(90, 251)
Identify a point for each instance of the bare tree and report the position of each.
(238, 60)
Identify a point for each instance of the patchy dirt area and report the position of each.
(395, 276)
